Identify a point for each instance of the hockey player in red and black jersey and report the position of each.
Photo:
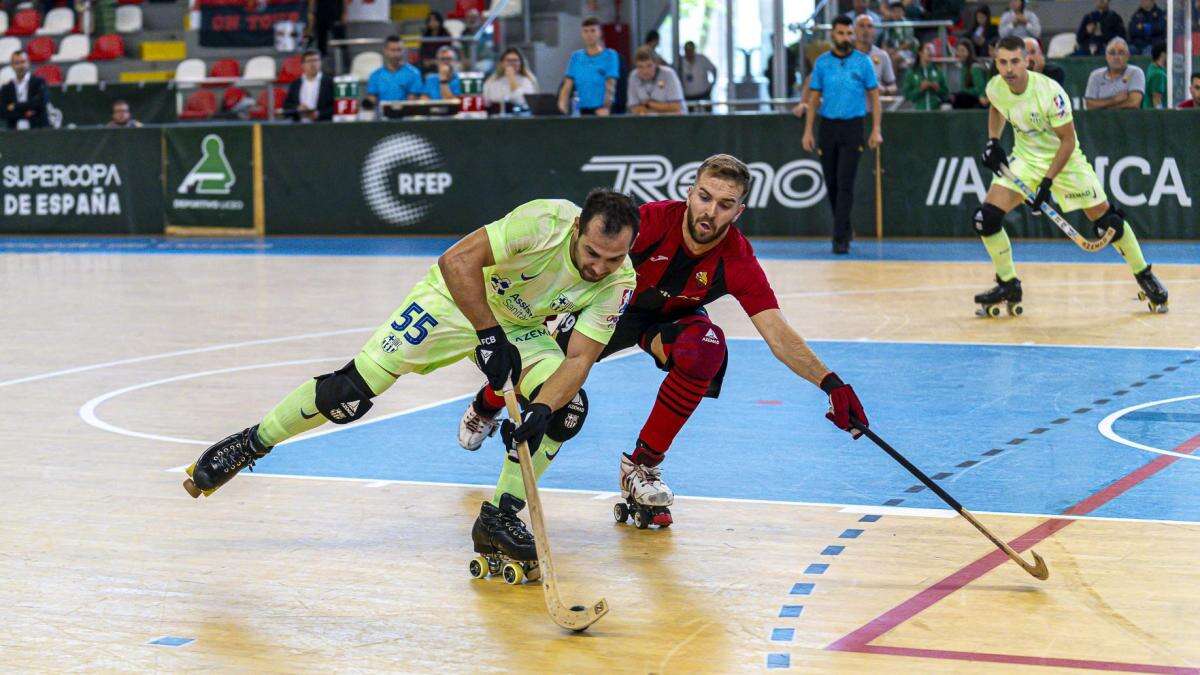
(687, 254)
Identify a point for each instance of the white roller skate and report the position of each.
(474, 429)
(646, 496)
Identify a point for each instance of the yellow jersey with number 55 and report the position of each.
(1034, 114)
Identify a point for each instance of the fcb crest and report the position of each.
(702, 278)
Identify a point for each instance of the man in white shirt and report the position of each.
(310, 96)
(699, 74)
(653, 89)
(23, 100)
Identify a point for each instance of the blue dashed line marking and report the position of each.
(790, 611)
(783, 634)
(172, 641)
(816, 568)
(779, 661)
(850, 534)
(802, 589)
(833, 550)
(869, 518)
(893, 502)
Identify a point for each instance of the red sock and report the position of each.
(488, 403)
(677, 400)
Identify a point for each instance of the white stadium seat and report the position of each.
(72, 48)
(3, 22)
(511, 8)
(7, 75)
(129, 18)
(59, 21)
(454, 27)
(82, 73)
(260, 68)
(8, 45)
(1061, 45)
(190, 70)
(364, 64)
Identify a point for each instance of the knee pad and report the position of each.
(698, 351)
(343, 395)
(1113, 218)
(988, 220)
(568, 420)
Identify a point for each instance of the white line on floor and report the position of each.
(1106, 427)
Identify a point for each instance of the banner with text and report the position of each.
(246, 23)
(209, 176)
(81, 181)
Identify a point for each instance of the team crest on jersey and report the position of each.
(561, 304)
(390, 344)
(500, 284)
(702, 278)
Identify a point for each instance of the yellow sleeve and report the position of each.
(599, 318)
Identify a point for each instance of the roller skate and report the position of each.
(1007, 293)
(221, 462)
(646, 497)
(1153, 292)
(474, 428)
(504, 546)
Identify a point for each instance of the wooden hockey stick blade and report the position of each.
(1037, 569)
(576, 617)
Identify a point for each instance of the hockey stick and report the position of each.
(1084, 243)
(577, 617)
(1037, 569)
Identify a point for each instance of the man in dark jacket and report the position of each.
(1147, 27)
(1097, 29)
(310, 96)
(23, 100)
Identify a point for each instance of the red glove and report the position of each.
(843, 404)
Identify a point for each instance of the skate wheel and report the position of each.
(993, 311)
(640, 519)
(513, 574)
(191, 488)
(478, 567)
(620, 512)
(1016, 310)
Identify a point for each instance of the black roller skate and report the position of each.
(504, 546)
(221, 462)
(1153, 292)
(1007, 293)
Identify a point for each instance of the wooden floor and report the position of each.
(103, 552)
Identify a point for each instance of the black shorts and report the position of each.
(640, 329)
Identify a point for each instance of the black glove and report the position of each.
(844, 405)
(994, 155)
(498, 358)
(534, 421)
(1042, 196)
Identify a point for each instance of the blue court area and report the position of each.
(1005, 428)
(936, 250)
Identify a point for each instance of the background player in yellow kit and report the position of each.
(1047, 154)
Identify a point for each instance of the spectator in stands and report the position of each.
(1156, 79)
(652, 41)
(326, 17)
(913, 10)
(1190, 104)
(1118, 85)
(924, 85)
(864, 41)
(862, 7)
(434, 37)
(900, 42)
(1037, 62)
(23, 100)
(396, 79)
(974, 79)
(982, 33)
(121, 117)
(699, 74)
(1147, 27)
(653, 89)
(1019, 21)
(945, 10)
(310, 96)
(510, 81)
(444, 83)
(1097, 29)
(591, 74)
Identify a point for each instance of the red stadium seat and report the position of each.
(200, 105)
(25, 22)
(51, 73)
(129, 2)
(289, 70)
(40, 49)
(107, 48)
(224, 68)
(260, 111)
(232, 97)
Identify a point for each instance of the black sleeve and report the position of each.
(292, 100)
(8, 95)
(38, 95)
(325, 99)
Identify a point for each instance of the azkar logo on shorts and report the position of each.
(500, 284)
(390, 344)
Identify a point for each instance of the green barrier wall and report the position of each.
(91, 105)
(81, 181)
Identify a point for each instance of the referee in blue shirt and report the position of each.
(843, 80)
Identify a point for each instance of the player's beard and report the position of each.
(843, 47)
(704, 236)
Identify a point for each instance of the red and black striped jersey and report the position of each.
(672, 282)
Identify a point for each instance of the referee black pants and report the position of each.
(840, 143)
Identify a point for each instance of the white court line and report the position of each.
(960, 287)
(1106, 427)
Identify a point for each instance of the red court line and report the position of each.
(860, 639)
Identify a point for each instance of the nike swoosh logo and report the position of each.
(307, 417)
(525, 278)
